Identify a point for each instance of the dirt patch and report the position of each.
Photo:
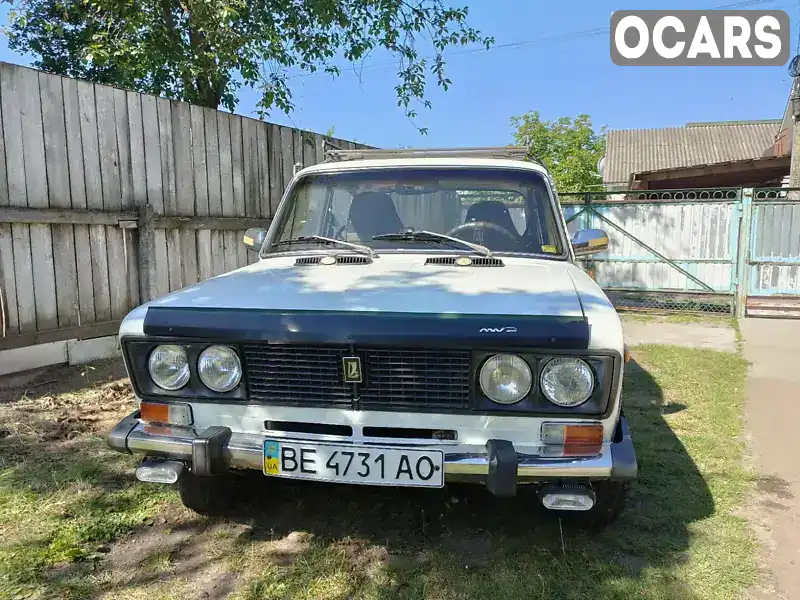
(712, 336)
(772, 347)
(176, 548)
(775, 486)
(62, 379)
(63, 403)
(472, 551)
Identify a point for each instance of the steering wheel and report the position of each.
(472, 226)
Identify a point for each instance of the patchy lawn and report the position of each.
(74, 523)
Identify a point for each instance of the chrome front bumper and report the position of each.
(217, 449)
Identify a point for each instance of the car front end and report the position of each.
(404, 368)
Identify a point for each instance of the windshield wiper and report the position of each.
(432, 236)
(321, 239)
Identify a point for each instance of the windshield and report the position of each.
(502, 210)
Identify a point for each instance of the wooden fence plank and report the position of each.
(210, 223)
(204, 264)
(8, 283)
(287, 156)
(319, 142)
(94, 200)
(250, 155)
(44, 279)
(297, 145)
(123, 135)
(63, 216)
(152, 154)
(137, 149)
(309, 148)
(262, 159)
(159, 274)
(240, 148)
(77, 187)
(124, 220)
(226, 177)
(214, 188)
(184, 188)
(55, 153)
(170, 200)
(57, 335)
(130, 136)
(275, 168)
(112, 198)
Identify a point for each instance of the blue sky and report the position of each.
(565, 77)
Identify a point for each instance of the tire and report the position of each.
(210, 496)
(610, 500)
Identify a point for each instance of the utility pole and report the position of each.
(794, 171)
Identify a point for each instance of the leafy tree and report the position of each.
(570, 148)
(202, 51)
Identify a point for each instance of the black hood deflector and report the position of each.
(373, 328)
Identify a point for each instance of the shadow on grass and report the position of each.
(465, 543)
(297, 539)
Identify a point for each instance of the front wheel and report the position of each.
(210, 496)
(610, 499)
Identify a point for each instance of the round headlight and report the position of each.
(567, 381)
(505, 378)
(169, 367)
(219, 368)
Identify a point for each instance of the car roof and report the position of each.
(409, 163)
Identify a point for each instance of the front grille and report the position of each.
(408, 378)
(296, 374)
(416, 377)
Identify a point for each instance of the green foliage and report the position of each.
(569, 147)
(202, 51)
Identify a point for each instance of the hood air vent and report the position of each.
(465, 261)
(333, 260)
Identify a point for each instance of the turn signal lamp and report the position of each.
(585, 439)
(166, 414)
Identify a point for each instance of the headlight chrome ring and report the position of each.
(219, 368)
(505, 378)
(169, 367)
(567, 382)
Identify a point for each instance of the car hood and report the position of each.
(392, 283)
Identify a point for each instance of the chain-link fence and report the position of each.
(644, 301)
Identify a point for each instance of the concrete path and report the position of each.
(772, 346)
(714, 336)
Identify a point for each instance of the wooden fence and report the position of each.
(109, 198)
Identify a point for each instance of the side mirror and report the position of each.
(254, 238)
(589, 241)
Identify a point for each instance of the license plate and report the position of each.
(343, 463)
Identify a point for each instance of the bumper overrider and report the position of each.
(217, 449)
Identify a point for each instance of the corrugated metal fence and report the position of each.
(80, 164)
(774, 253)
(712, 250)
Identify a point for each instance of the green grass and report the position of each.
(715, 319)
(682, 536)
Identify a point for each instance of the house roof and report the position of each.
(631, 151)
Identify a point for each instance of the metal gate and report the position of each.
(668, 250)
(773, 251)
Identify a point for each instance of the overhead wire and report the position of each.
(389, 65)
